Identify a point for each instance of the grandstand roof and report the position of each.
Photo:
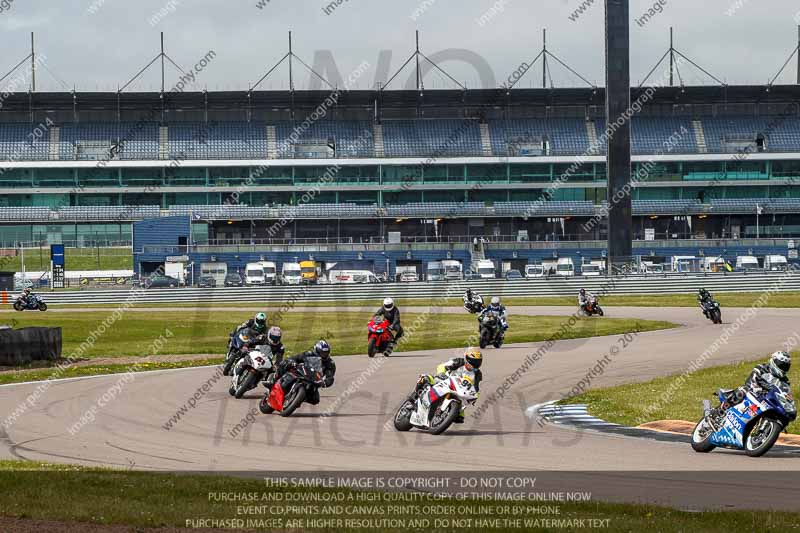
(408, 101)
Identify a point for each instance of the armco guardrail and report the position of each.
(567, 286)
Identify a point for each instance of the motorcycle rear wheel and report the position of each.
(701, 445)
(402, 418)
(771, 435)
(296, 396)
(452, 412)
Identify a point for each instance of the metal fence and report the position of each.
(566, 286)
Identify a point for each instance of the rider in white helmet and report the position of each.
(776, 370)
(496, 307)
(391, 313)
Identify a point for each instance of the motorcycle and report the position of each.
(592, 308)
(490, 330)
(237, 347)
(32, 303)
(286, 395)
(753, 425)
(437, 406)
(252, 368)
(379, 337)
(712, 311)
(475, 305)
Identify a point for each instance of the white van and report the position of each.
(713, 264)
(775, 262)
(565, 267)
(534, 271)
(435, 271)
(352, 276)
(254, 274)
(590, 269)
(747, 262)
(270, 272)
(485, 269)
(290, 274)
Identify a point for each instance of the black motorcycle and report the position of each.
(712, 311)
(301, 381)
(490, 330)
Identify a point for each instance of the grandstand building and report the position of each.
(714, 167)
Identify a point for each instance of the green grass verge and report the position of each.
(201, 332)
(638, 403)
(76, 259)
(726, 299)
(143, 499)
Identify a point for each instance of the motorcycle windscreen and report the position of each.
(275, 399)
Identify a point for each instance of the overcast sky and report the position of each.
(100, 44)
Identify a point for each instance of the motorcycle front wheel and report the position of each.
(229, 361)
(716, 316)
(762, 437)
(264, 405)
(293, 400)
(246, 383)
(484, 342)
(18, 306)
(402, 419)
(42, 306)
(701, 441)
(443, 419)
(371, 347)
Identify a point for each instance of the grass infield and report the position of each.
(147, 500)
(134, 334)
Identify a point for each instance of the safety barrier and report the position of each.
(554, 286)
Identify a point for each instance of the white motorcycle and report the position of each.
(437, 405)
(251, 369)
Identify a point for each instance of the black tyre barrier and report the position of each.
(25, 345)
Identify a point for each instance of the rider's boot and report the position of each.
(460, 418)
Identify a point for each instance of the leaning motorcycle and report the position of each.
(490, 330)
(437, 406)
(592, 308)
(34, 302)
(237, 346)
(712, 310)
(289, 392)
(378, 336)
(753, 425)
(251, 369)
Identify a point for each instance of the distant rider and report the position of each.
(473, 302)
(390, 312)
(470, 364)
(704, 298)
(499, 309)
(762, 376)
(322, 350)
(584, 297)
(26, 295)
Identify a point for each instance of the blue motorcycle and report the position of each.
(753, 425)
(31, 303)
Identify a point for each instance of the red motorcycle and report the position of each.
(379, 336)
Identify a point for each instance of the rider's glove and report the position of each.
(328, 381)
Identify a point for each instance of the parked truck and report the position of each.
(565, 267)
(485, 269)
(435, 271)
(309, 274)
(290, 274)
(747, 262)
(775, 262)
(176, 270)
(217, 270)
(453, 270)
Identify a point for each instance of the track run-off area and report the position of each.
(185, 420)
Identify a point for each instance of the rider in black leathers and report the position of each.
(703, 298)
(322, 350)
(390, 312)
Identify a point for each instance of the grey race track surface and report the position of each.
(130, 431)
